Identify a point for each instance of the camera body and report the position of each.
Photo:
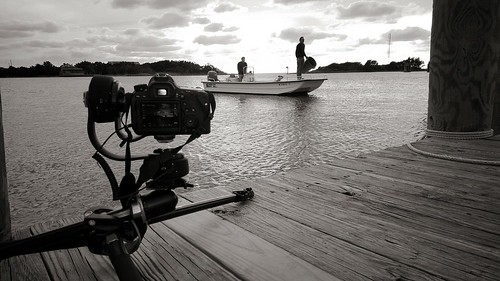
(163, 108)
(159, 108)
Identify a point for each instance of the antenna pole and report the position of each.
(389, 51)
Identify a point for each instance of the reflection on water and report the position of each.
(51, 173)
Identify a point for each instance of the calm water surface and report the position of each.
(52, 175)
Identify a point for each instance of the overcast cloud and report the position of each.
(219, 33)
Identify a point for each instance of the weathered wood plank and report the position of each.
(388, 215)
(489, 147)
(98, 265)
(326, 215)
(375, 220)
(426, 173)
(480, 227)
(64, 264)
(27, 267)
(244, 254)
(5, 222)
(449, 152)
(347, 168)
(158, 258)
(5, 270)
(336, 256)
(413, 196)
(179, 258)
(405, 154)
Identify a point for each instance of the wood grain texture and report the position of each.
(310, 242)
(181, 260)
(244, 254)
(495, 124)
(387, 215)
(465, 51)
(27, 267)
(5, 222)
(5, 270)
(64, 264)
(392, 214)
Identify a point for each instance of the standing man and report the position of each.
(242, 68)
(300, 54)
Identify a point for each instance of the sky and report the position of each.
(219, 33)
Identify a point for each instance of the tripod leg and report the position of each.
(237, 196)
(121, 260)
(70, 236)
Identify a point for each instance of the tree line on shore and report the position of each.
(189, 68)
(410, 64)
(111, 68)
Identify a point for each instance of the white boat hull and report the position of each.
(293, 87)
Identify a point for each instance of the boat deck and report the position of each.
(388, 215)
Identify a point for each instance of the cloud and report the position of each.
(409, 34)
(217, 40)
(132, 40)
(425, 5)
(132, 31)
(149, 41)
(184, 5)
(201, 20)
(214, 27)
(225, 7)
(128, 4)
(13, 29)
(291, 2)
(50, 44)
(14, 34)
(105, 38)
(131, 43)
(230, 29)
(167, 20)
(370, 11)
(44, 44)
(293, 34)
(133, 48)
(77, 43)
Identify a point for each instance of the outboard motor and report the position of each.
(212, 76)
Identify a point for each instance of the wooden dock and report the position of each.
(388, 215)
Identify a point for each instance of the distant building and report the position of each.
(70, 70)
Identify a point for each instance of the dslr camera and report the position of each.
(159, 108)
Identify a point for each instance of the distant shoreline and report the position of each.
(203, 74)
(185, 68)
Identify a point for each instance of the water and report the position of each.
(51, 173)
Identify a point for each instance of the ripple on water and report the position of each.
(52, 175)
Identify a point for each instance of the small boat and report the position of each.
(248, 85)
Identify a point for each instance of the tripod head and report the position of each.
(160, 109)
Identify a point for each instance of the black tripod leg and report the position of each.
(121, 260)
(70, 236)
(237, 196)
